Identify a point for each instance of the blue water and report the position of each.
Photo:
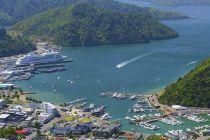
(167, 60)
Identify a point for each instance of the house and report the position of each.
(81, 129)
(12, 118)
(2, 103)
(205, 132)
(4, 86)
(24, 131)
(106, 131)
(71, 130)
(60, 131)
(44, 117)
(49, 108)
(178, 107)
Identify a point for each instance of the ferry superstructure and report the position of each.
(34, 58)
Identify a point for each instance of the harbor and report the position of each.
(96, 69)
(46, 59)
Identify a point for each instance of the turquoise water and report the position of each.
(159, 63)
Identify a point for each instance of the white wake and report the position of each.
(190, 63)
(133, 59)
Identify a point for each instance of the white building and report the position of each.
(2, 103)
(49, 108)
(44, 117)
(178, 107)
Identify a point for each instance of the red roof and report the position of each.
(22, 132)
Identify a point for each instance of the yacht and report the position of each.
(133, 97)
(106, 116)
(148, 126)
(35, 58)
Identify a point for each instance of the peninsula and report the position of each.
(89, 25)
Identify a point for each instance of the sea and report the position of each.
(142, 68)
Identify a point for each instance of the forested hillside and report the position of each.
(191, 90)
(5, 20)
(13, 46)
(88, 25)
(18, 10)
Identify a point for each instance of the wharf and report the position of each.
(46, 63)
(24, 93)
(48, 66)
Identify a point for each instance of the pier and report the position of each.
(46, 63)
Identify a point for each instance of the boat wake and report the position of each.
(190, 63)
(133, 59)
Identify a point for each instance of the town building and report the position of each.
(2, 103)
(49, 108)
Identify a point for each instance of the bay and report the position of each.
(146, 67)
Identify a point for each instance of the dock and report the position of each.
(46, 63)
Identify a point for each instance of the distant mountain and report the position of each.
(165, 15)
(88, 25)
(191, 90)
(22, 9)
(13, 46)
(179, 2)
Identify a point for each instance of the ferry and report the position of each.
(35, 58)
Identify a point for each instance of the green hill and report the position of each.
(13, 46)
(191, 90)
(22, 9)
(88, 25)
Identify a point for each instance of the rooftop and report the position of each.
(3, 116)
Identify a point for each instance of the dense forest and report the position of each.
(191, 90)
(17, 10)
(13, 46)
(5, 20)
(89, 25)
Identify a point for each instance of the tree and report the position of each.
(38, 132)
(2, 33)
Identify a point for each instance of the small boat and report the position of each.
(106, 116)
(133, 97)
(68, 80)
(136, 110)
(120, 96)
(72, 82)
(114, 95)
(103, 94)
(54, 91)
(58, 77)
(44, 82)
